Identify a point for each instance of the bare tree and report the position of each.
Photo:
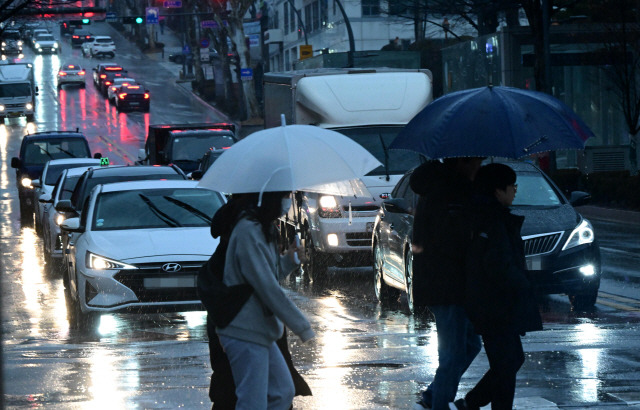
(11, 8)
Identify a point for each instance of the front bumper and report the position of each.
(147, 288)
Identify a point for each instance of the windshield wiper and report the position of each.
(189, 208)
(71, 154)
(46, 152)
(157, 212)
(386, 157)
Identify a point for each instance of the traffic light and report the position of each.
(86, 21)
(133, 20)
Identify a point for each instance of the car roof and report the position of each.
(102, 37)
(65, 161)
(77, 171)
(124, 79)
(151, 184)
(44, 135)
(128, 170)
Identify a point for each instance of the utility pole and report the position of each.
(352, 43)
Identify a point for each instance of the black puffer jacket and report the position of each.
(499, 295)
(442, 227)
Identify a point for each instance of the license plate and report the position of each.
(170, 282)
(369, 227)
(134, 103)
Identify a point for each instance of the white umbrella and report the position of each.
(291, 158)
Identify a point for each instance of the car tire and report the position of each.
(315, 268)
(584, 301)
(383, 292)
(408, 279)
(83, 85)
(77, 318)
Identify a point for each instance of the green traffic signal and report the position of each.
(139, 20)
(86, 21)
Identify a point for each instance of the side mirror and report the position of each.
(579, 198)
(15, 162)
(97, 155)
(71, 225)
(396, 205)
(64, 205)
(142, 155)
(45, 199)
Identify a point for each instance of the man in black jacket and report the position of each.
(441, 236)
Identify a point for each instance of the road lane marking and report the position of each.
(619, 298)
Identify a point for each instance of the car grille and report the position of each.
(135, 280)
(14, 105)
(540, 244)
(358, 238)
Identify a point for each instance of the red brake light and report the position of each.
(103, 76)
(146, 96)
(71, 67)
(121, 96)
(76, 36)
(81, 73)
(87, 36)
(133, 87)
(107, 83)
(113, 68)
(62, 73)
(113, 88)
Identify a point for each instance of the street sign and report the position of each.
(153, 15)
(205, 56)
(306, 51)
(186, 49)
(176, 4)
(209, 24)
(246, 74)
(111, 16)
(204, 42)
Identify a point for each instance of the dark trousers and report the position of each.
(498, 385)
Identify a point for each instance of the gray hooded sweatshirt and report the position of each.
(251, 259)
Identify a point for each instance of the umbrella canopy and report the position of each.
(493, 121)
(291, 158)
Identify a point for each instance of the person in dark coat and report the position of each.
(223, 303)
(441, 236)
(500, 300)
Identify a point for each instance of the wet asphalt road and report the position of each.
(364, 357)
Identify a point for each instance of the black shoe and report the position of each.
(459, 404)
(421, 405)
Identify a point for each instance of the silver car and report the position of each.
(72, 74)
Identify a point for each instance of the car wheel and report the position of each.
(38, 225)
(584, 301)
(408, 279)
(77, 318)
(316, 266)
(384, 293)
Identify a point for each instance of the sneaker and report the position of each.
(421, 405)
(459, 404)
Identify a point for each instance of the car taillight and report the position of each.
(107, 83)
(122, 96)
(113, 88)
(103, 76)
(76, 36)
(62, 73)
(146, 96)
(81, 72)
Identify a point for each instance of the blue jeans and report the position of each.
(261, 375)
(458, 345)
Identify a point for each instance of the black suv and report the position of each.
(561, 248)
(35, 151)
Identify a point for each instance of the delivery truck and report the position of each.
(17, 90)
(370, 106)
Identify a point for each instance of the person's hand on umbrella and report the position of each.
(296, 252)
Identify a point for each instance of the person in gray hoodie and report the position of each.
(260, 373)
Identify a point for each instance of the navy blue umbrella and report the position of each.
(493, 122)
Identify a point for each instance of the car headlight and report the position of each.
(97, 262)
(4, 44)
(37, 45)
(581, 235)
(328, 207)
(20, 43)
(55, 45)
(26, 182)
(60, 219)
(28, 106)
(1, 107)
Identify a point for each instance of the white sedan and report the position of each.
(50, 173)
(51, 219)
(139, 247)
(118, 82)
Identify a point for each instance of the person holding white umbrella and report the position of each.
(267, 166)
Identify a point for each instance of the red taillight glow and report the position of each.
(81, 73)
(113, 88)
(103, 76)
(146, 96)
(71, 67)
(107, 83)
(122, 96)
(113, 68)
(62, 73)
(76, 36)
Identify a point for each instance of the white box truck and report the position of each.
(370, 106)
(17, 91)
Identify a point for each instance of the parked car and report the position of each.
(38, 148)
(99, 46)
(44, 185)
(51, 219)
(132, 97)
(166, 228)
(206, 161)
(79, 36)
(71, 74)
(562, 251)
(45, 43)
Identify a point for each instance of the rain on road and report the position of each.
(364, 356)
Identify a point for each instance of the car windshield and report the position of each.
(54, 171)
(12, 35)
(193, 147)
(39, 152)
(376, 140)
(535, 191)
(155, 208)
(15, 90)
(45, 37)
(68, 186)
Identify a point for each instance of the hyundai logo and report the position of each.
(171, 267)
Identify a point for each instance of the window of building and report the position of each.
(293, 20)
(316, 15)
(286, 17)
(308, 18)
(370, 7)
